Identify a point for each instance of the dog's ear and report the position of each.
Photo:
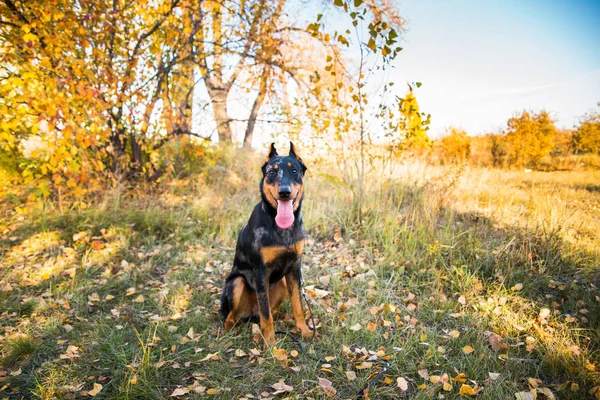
(272, 153)
(294, 154)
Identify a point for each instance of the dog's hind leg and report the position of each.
(242, 301)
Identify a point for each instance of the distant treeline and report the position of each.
(530, 140)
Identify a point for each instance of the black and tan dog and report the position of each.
(266, 268)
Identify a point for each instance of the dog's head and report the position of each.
(282, 185)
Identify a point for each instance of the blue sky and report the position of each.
(482, 60)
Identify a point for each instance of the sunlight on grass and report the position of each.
(440, 271)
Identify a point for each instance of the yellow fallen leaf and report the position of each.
(454, 334)
(466, 390)
(96, 389)
(447, 386)
(212, 391)
(371, 326)
(139, 299)
(280, 354)
(460, 378)
(97, 245)
(467, 349)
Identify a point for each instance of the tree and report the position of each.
(586, 138)
(529, 138)
(408, 131)
(455, 146)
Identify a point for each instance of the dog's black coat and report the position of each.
(261, 232)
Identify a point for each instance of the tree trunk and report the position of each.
(218, 97)
(262, 93)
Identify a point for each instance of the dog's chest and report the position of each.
(280, 260)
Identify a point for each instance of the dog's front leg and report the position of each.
(293, 279)
(264, 309)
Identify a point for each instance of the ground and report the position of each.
(467, 282)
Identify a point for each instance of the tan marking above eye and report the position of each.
(290, 164)
(276, 166)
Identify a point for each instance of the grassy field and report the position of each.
(467, 282)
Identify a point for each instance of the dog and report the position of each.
(267, 264)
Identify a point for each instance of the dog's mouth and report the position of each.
(285, 212)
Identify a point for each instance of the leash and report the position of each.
(361, 393)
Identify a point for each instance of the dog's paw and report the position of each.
(307, 333)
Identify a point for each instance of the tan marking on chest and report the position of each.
(272, 253)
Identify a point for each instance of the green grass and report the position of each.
(430, 252)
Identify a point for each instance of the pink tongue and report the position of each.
(285, 214)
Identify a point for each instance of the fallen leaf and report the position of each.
(280, 354)
(494, 340)
(547, 392)
(525, 396)
(212, 357)
(454, 334)
(281, 387)
(517, 287)
(97, 245)
(351, 375)
(327, 387)
(139, 299)
(356, 327)
(460, 378)
(466, 390)
(423, 374)
(493, 375)
(402, 384)
(240, 353)
(468, 349)
(97, 388)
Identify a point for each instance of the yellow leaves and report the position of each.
(467, 350)
(97, 245)
(30, 37)
(460, 378)
(466, 390)
(454, 334)
(280, 354)
(96, 389)
(139, 299)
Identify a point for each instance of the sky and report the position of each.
(480, 61)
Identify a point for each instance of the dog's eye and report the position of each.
(272, 172)
(294, 171)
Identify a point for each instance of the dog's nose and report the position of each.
(285, 192)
